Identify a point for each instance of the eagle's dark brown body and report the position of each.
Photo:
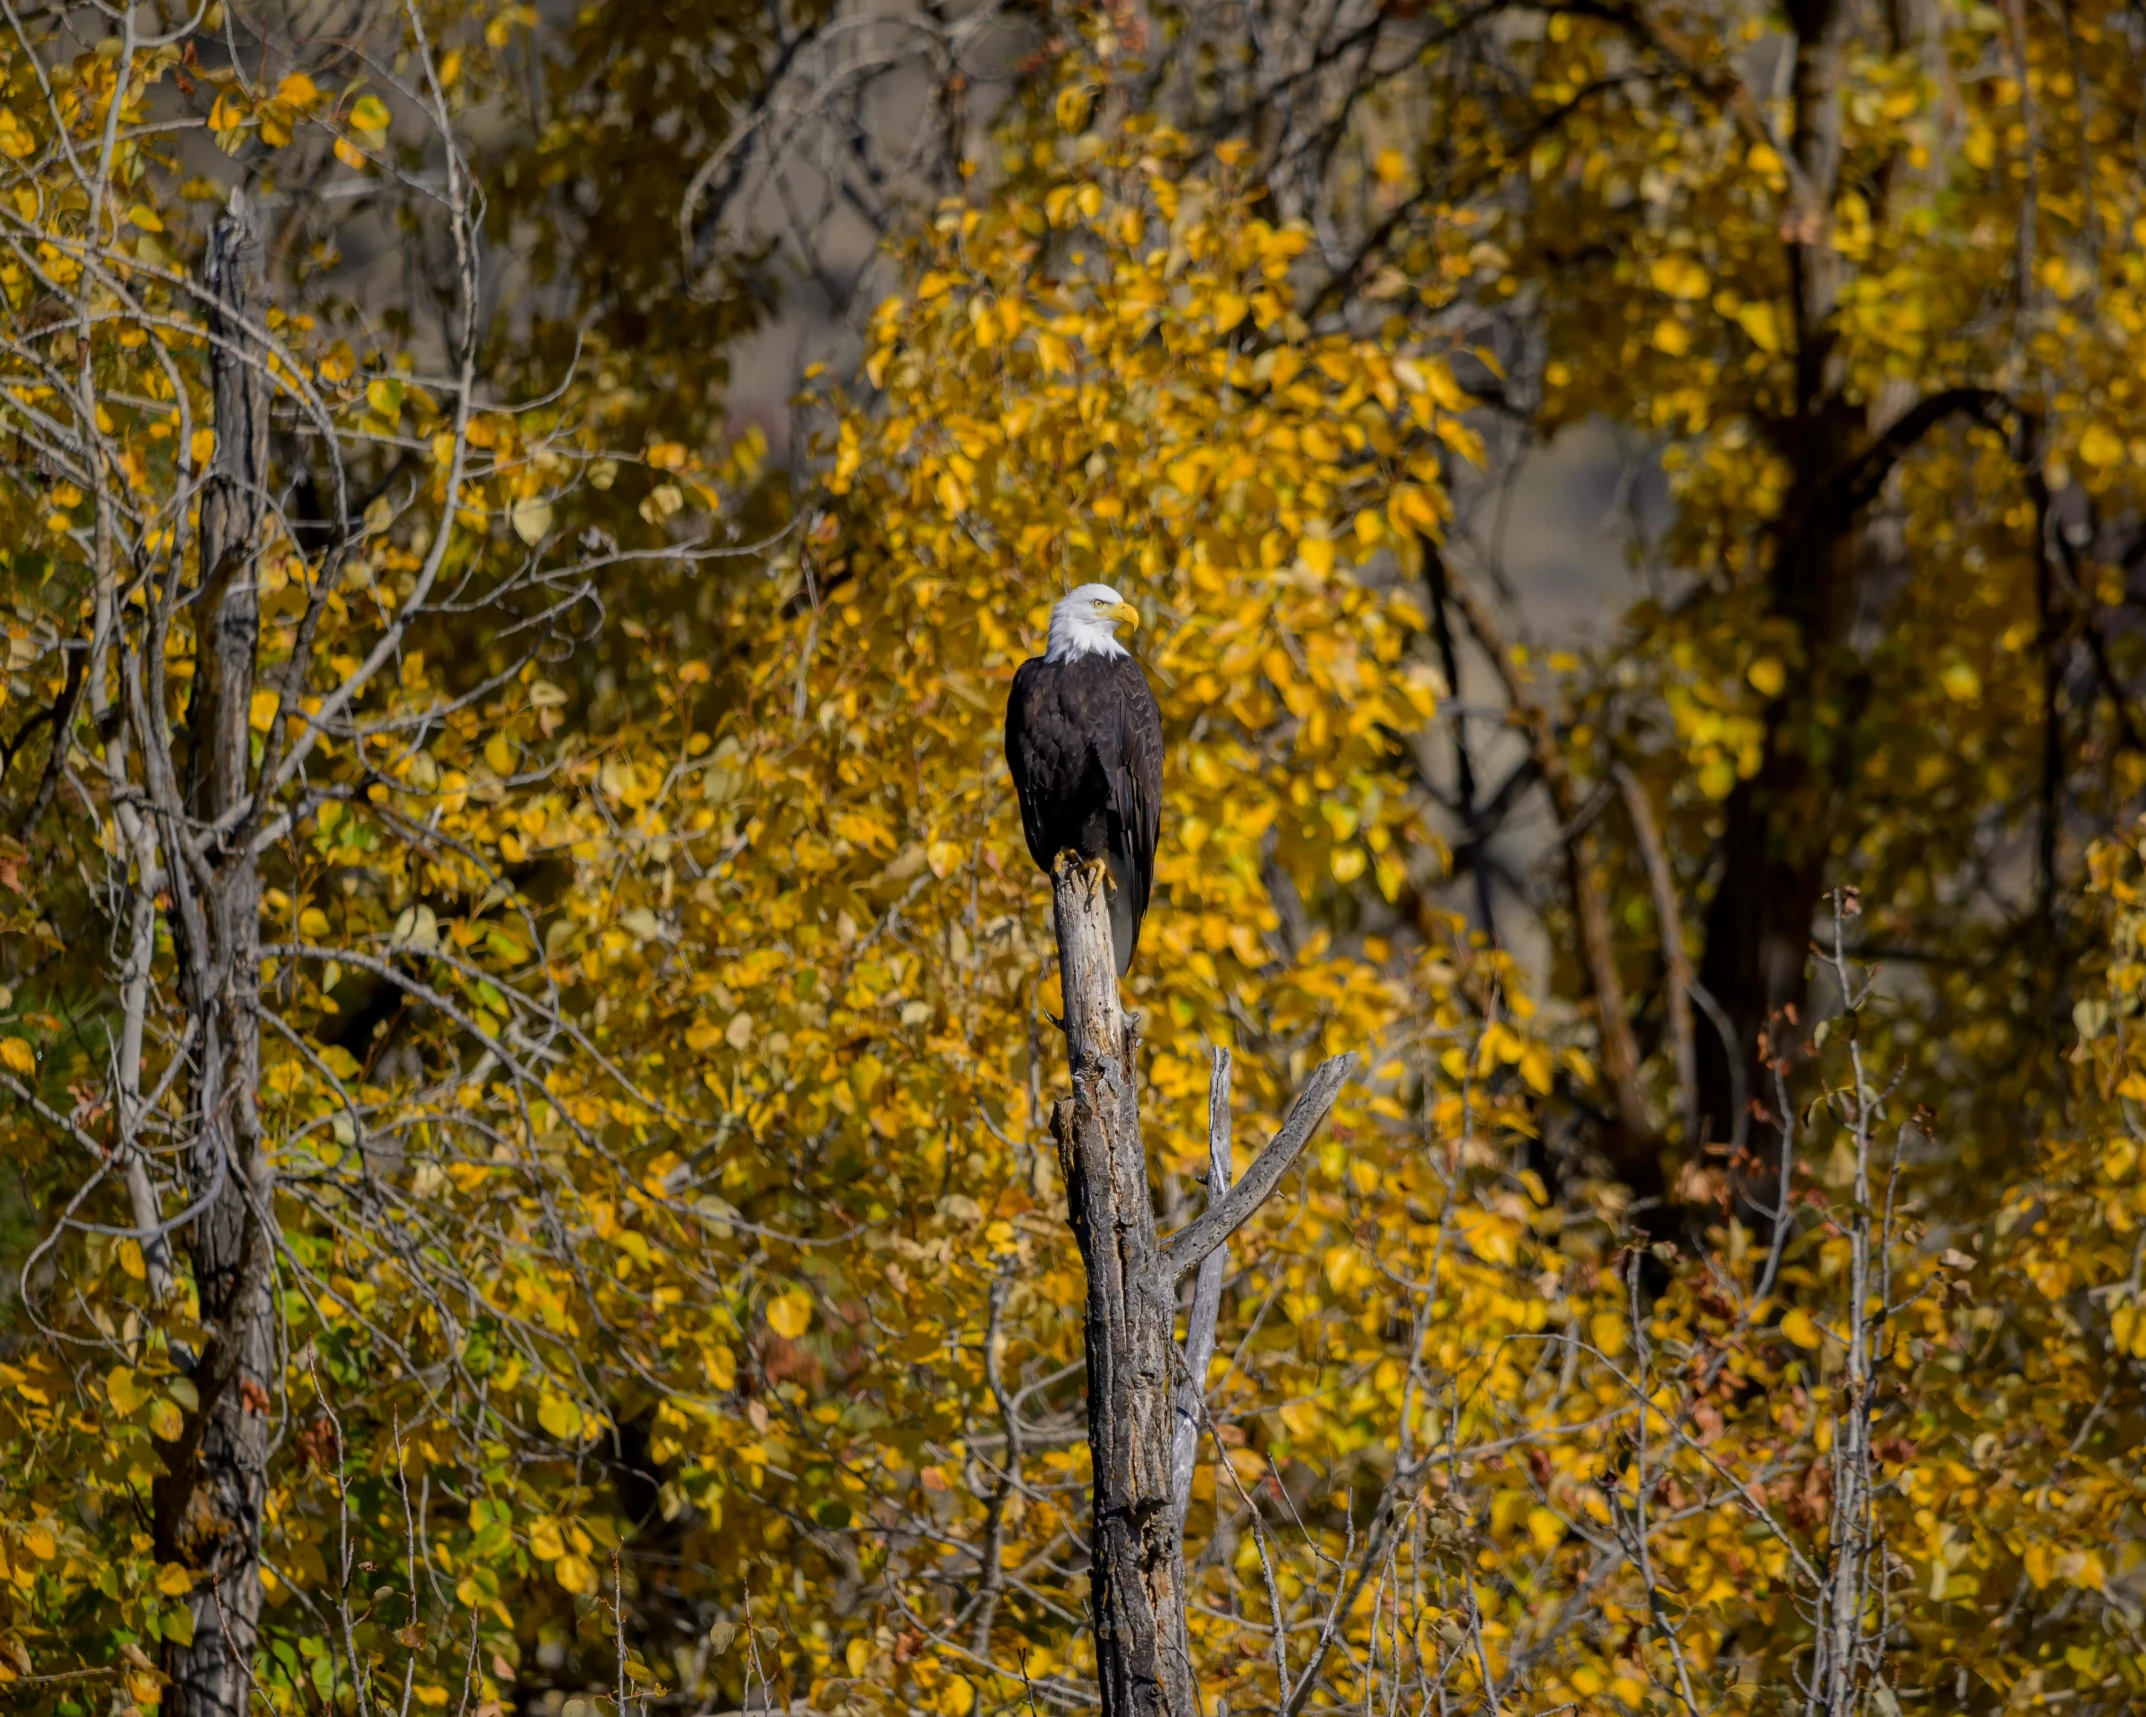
(1084, 742)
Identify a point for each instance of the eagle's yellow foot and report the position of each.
(1095, 872)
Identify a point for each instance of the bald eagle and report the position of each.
(1084, 742)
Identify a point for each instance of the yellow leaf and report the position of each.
(166, 1421)
(1799, 1328)
(1607, 1329)
(561, 1417)
(2100, 446)
(1679, 277)
(369, 113)
(956, 1698)
(499, 754)
(261, 711)
(1762, 323)
(1536, 1068)
(40, 1543)
(1767, 676)
(790, 1315)
(144, 217)
(944, 857)
(202, 448)
(298, 90)
(575, 1573)
(121, 1389)
(1962, 684)
(173, 1580)
(1318, 554)
(1545, 1529)
(532, 518)
(545, 1541)
(19, 1056)
(1230, 309)
(1672, 337)
(1448, 393)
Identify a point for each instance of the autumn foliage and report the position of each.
(672, 1302)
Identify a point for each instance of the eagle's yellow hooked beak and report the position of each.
(1124, 613)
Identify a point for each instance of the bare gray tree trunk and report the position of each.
(1137, 1572)
(1137, 1578)
(208, 1503)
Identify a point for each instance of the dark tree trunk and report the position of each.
(1780, 824)
(1758, 929)
(208, 1502)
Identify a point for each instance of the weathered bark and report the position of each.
(1137, 1577)
(208, 1502)
(1137, 1564)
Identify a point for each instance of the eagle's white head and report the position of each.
(1085, 623)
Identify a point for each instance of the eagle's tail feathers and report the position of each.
(1124, 915)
